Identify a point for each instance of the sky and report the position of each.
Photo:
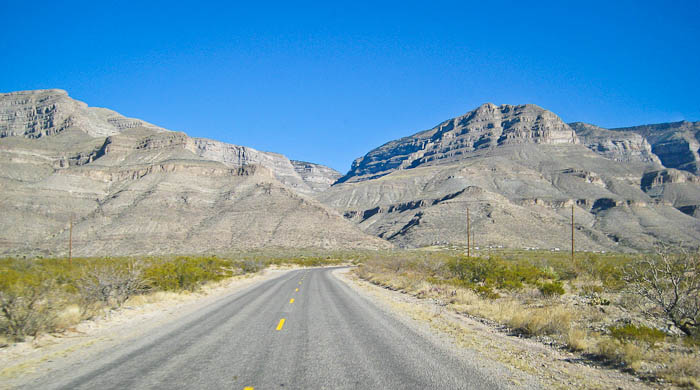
(328, 81)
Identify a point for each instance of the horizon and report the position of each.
(326, 84)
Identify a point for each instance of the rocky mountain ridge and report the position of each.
(133, 188)
(677, 144)
(486, 127)
(519, 169)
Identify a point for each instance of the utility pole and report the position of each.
(70, 241)
(474, 240)
(572, 233)
(469, 253)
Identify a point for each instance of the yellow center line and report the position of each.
(281, 324)
(249, 388)
(299, 282)
(291, 300)
(296, 290)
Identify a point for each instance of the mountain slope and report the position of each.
(518, 169)
(140, 189)
(486, 127)
(677, 144)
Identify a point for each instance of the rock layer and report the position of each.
(677, 144)
(486, 127)
(519, 170)
(133, 188)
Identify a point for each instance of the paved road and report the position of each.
(330, 338)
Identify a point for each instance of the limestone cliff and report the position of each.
(134, 188)
(486, 127)
(620, 146)
(677, 144)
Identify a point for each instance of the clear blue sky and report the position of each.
(327, 83)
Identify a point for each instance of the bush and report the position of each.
(111, 283)
(629, 332)
(25, 304)
(542, 321)
(618, 352)
(493, 272)
(187, 273)
(551, 289)
(251, 266)
(671, 282)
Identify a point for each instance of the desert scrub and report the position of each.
(551, 289)
(629, 333)
(110, 283)
(189, 273)
(26, 304)
(670, 282)
(484, 275)
(581, 305)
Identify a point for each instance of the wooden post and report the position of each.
(474, 240)
(469, 253)
(572, 233)
(70, 241)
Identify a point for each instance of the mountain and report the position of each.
(622, 146)
(318, 177)
(677, 144)
(131, 187)
(519, 169)
(134, 188)
(484, 128)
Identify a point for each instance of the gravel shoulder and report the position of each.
(553, 368)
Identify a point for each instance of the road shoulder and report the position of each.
(552, 368)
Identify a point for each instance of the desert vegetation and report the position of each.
(638, 313)
(53, 294)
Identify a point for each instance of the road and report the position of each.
(303, 330)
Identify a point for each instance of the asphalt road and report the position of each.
(328, 337)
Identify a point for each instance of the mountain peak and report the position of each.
(487, 126)
(47, 112)
(52, 91)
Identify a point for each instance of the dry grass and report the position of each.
(70, 316)
(683, 369)
(158, 296)
(617, 352)
(578, 339)
(581, 319)
(554, 320)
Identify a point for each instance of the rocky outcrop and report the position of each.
(656, 179)
(519, 184)
(237, 156)
(486, 127)
(133, 188)
(40, 113)
(45, 113)
(318, 177)
(616, 145)
(677, 144)
(679, 188)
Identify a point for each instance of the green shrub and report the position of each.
(187, 273)
(641, 333)
(493, 272)
(25, 304)
(551, 289)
